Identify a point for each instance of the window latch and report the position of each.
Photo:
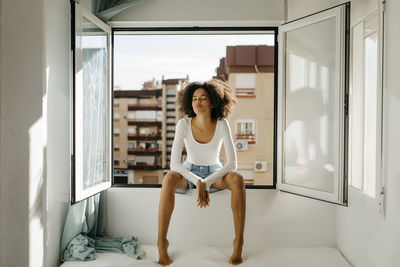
(382, 201)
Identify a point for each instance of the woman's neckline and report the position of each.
(191, 132)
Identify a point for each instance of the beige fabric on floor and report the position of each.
(218, 257)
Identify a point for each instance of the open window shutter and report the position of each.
(91, 105)
(313, 108)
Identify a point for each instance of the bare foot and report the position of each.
(236, 257)
(163, 252)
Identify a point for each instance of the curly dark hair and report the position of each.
(220, 93)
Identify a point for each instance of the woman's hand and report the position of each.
(203, 198)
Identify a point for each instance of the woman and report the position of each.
(206, 105)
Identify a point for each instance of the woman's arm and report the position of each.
(230, 151)
(176, 153)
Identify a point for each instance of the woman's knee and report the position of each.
(236, 181)
(171, 179)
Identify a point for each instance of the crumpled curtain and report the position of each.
(84, 233)
(106, 9)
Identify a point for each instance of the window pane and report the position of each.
(95, 104)
(150, 69)
(91, 96)
(312, 116)
(357, 109)
(370, 112)
(365, 114)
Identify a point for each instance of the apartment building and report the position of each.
(144, 127)
(249, 70)
(171, 87)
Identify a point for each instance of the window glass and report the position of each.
(151, 69)
(365, 115)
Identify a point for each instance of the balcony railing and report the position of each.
(251, 138)
(143, 151)
(245, 92)
(144, 107)
(144, 122)
(144, 136)
(248, 181)
(143, 166)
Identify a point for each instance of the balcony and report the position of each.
(143, 166)
(245, 92)
(144, 136)
(144, 107)
(251, 138)
(143, 151)
(144, 122)
(248, 181)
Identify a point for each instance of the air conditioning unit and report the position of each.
(260, 166)
(241, 145)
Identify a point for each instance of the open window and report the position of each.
(151, 66)
(91, 105)
(313, 105)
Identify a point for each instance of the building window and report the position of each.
(131, 116)
(246, 130)
(245, 84)
(116, 147)
(116, 131)
(116, 117)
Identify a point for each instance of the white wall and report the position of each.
(205, 10)
(57, 43)
(364, 237)
(272, 218)
(21, 134)
(34, 133)
(300, 8)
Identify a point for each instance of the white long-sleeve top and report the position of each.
(203, 154)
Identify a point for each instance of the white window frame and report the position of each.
(78, 192)
(339, 194)
(355, 104)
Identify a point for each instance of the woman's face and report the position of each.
(201, 102)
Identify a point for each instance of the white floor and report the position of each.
(218, 256)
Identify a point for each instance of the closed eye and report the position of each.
(201, 99)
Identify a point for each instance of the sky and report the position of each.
(140, 58)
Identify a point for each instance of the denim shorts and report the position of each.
(202, 171)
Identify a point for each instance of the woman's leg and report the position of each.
(234, 182)
(171, 182)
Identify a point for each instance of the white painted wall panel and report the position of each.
(22, 122)
(206, 10)
(57, 44)
(272, 218)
